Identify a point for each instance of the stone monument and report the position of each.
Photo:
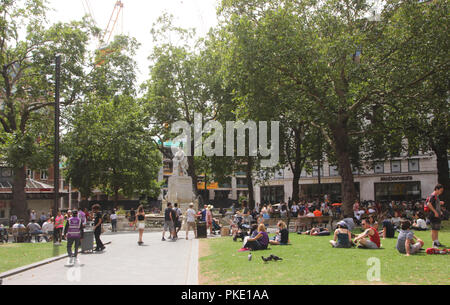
(180, 184)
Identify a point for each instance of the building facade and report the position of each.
(405, 178)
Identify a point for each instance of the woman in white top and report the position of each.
(191, 215)
(419, 223)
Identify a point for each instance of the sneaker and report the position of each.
(77, 261)
(438, 245)
(243, 249)
(70, 261)
(163, 239)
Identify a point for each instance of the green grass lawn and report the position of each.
(17, 255)
(311, 260)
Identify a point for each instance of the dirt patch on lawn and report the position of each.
(204, 277)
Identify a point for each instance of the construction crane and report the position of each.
(112, 23)
(113, 26)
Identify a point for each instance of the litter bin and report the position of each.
(201, 229)
(87, 244)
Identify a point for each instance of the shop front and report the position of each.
(310, 192)
(398, 191)
(272, 194)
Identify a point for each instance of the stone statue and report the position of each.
(180, 164)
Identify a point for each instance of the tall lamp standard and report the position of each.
(56, 152)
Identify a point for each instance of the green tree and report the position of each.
(316, 48)
(27, 52)
(107, 144)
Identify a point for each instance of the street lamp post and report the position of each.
(56, 152)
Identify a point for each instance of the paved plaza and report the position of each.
(123, 263)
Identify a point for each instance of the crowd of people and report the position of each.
(378, 221)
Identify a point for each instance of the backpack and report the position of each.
(426, 209)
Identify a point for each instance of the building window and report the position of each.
(413, 165)
(355, 170)
(44, 174)
(30, 174)
(379, 168)
(334, 170)
(396, 166)
(303, 174)
(316, 172)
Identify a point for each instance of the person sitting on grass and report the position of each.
(374, 238)
(282, 237)
(419, 223)
(407, 243)
(388, 229)
(259, 242)
(342, 236)
(316, 232)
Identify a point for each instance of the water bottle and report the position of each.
(250, 257)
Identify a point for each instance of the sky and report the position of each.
(138, 17)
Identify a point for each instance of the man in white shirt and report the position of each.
(19, 225)
(191, 215)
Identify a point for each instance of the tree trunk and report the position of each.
(251, 193)
(341, 145)
(19, 203)
(443, 173)
(116, 195)
(298, 165)
(193, 175)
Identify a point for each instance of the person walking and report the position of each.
(168, 222)
(140, 223)
(190, 220)
(73, 231)
(59, 225)
(435, 214)
(113, 218)
(98, 228)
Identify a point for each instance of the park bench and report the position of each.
(326, 220)
(21, 235)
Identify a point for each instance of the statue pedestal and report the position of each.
(180, 191)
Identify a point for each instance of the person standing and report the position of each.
(42, 219)
(140, 223)
(59, 225)
(190, 220)
(294, 209)
(33, 215)
(174, 217)
(113, 218)
(209, 219)
(435, 214)
(73, 231)
(82, 216)
(132, 216)
(168, 221)
(98, 221)
(178, 215)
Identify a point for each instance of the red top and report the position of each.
(375, 237)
